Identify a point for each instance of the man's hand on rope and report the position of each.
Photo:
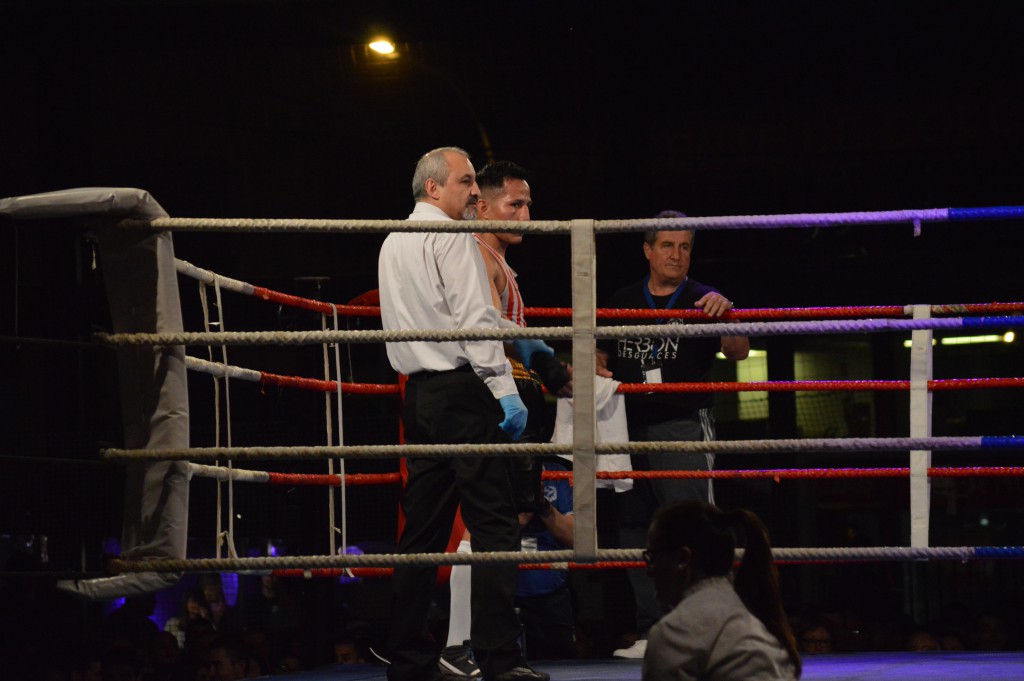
(714, 304)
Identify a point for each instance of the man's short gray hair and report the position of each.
(651, 235)
(433, 165)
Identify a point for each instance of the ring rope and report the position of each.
(205, 306)
(818, 445)
(251, 375)
(557, 333)
(225, 538)
(315, 480)
(218, 500)
(293, 479)
(329, 423)
(817, 386)
(370, 573)
(847, 553)
(362, 573)
(785, 312)
(338, 385)
(341, 441)
(801, 220)
(197, 364)
(291, 225)
(186, 268)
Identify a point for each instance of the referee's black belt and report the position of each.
(421, 375)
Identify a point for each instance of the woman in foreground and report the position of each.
(717, 629)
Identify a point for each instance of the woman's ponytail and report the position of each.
(757, 580)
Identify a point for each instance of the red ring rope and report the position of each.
(329, 386)
(326, 480)
(692, 387)
(754, 313)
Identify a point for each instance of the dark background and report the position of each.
(276, 109)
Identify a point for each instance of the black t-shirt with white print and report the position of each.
(681, 359)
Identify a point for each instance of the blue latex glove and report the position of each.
(515, 415)
(525, 347)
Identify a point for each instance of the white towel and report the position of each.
(611, 427)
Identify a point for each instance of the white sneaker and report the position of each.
(634, 652)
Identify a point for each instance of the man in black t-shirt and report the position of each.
(665, 416)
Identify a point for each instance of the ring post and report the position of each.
(584, 315)
(920, 426)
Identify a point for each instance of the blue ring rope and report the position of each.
(992, 322)
(990, 213)
(999, 552)
(1002, 441)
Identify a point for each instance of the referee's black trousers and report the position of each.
(455, 407)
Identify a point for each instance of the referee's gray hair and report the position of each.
(432, 165)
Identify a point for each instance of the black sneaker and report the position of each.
(456, 662)
(523, 672)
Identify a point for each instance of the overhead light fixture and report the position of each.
(382, 46)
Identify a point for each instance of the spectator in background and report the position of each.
(656, 416)
(922, 641)
(814, 637)
(194, 610)
(990, 633)
(275, 608)
(221, 615)
(348, 651)
(121, 664)
(227, 660)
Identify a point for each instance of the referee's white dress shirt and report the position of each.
(438, 281)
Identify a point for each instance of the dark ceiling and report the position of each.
(273, 109)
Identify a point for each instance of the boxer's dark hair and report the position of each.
(493, 175)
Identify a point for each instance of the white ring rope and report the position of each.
(187, 269)
(836, 326)
(217, 369)
(205, 305)
(225, 538)
(879, 553)
(288, 225)
(862, 444)
(329, 424)
(341, 441)
(222, 473)
(795, 220)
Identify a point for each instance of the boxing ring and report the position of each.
(849, 667)
(136, 249)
